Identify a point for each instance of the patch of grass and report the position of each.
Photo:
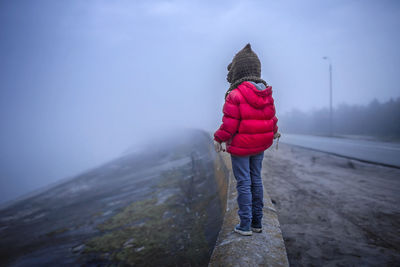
(145, 210)
(149, 241)
(141, 235)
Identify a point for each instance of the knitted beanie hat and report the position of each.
(245, 66)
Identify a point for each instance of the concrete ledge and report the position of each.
(260, 249)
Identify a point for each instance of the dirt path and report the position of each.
(334, 211)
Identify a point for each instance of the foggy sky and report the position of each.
(83, 81)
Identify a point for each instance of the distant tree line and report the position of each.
(375, 119)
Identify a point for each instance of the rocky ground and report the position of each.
(157, 207)
(334, 211)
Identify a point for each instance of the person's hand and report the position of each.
(217, 146)
(277, 135)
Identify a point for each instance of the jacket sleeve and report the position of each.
(230, 119)
(275, 119)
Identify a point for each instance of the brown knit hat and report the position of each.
(245, 66)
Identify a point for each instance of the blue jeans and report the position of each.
(247, 172)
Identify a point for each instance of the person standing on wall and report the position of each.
(248, 128)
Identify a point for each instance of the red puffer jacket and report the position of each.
(249, 121)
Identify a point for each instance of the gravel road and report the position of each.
(334, 211)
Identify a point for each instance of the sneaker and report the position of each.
(256, 229)
(242, 231)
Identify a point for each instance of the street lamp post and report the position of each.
(330, 97)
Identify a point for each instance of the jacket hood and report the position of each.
(255, 97)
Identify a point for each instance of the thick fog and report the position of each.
(82, 82)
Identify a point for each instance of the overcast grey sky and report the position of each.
(81, 81)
